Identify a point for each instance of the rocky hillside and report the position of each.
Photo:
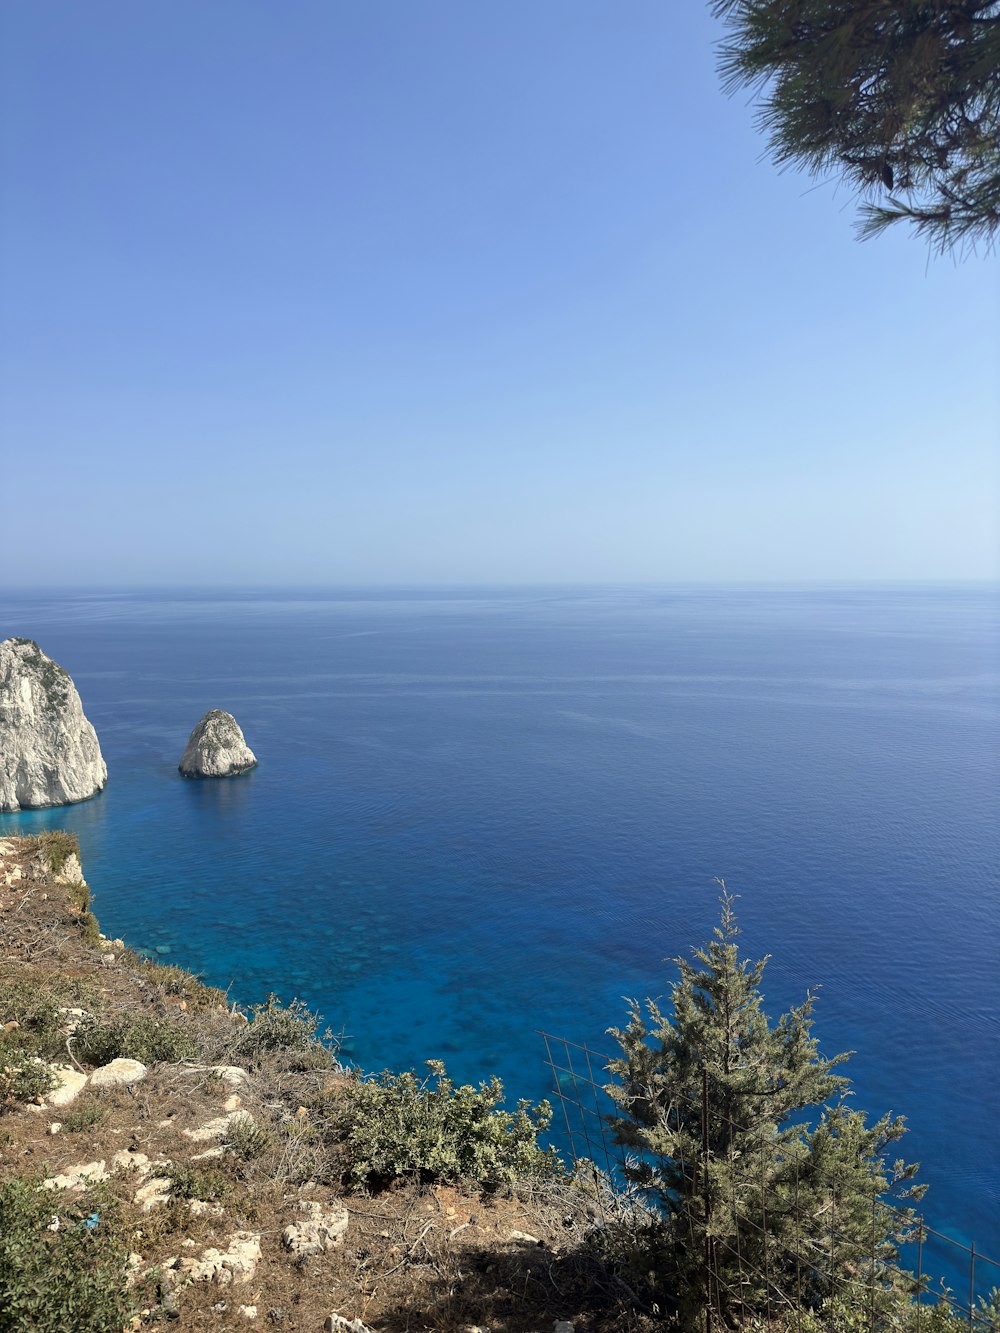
(169, 1160)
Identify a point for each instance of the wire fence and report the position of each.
(753, 1244)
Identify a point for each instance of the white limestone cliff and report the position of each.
(49, 752)
(216, 748)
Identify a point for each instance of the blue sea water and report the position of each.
(478, 814)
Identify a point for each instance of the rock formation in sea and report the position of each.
(216, 748)
(49, 752)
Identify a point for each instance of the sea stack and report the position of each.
(216, 748)
(49, 752)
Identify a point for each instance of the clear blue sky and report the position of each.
(452, 291)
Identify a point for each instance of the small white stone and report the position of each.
(231, 1074)
(126, 1160)
(55, 1127)
(211, 1129)
(155, 1192)
(200, 1208)
(247, 1311)
(214, 1129)
(71, 1016)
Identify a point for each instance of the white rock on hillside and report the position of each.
(237, 1264)
(214, 1129)
(49, 753)
(118, 1073)
(322, 1227)
(75, 1177)
(68, 1086)
(154, 1193)
(216, 748)
(336, 1323)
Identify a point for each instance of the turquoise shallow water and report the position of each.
(481, 814)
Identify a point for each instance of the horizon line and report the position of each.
(983, 581)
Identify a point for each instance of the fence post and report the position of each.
(874, 1201)
(704, 1161)
(559, 1093)
(798, 1260)
(972, 1285)
(763, 1227)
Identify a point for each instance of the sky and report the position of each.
(442, 291)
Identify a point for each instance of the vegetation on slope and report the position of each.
(245, 1120)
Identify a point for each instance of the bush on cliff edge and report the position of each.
(62, 1266)
(397, 1126)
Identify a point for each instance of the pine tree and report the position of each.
(901, 97)
(760, 1209)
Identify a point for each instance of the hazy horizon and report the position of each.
(458, 587)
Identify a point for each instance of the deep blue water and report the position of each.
(479, 814)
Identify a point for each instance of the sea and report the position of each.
(485, 814)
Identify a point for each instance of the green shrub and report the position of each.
(90, 928)
(134, 1037)
(56, 847)
(192, 1182)
(897, 1310)
(88, 1115)
(70, 1278)
(245, 1139)
(34, 1002)
(78, 901)
(27, 988)
(22, 1078)
(35, 1009)
(39, 1035)
(397, 1126)
(178, 983)
(274, 1027)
